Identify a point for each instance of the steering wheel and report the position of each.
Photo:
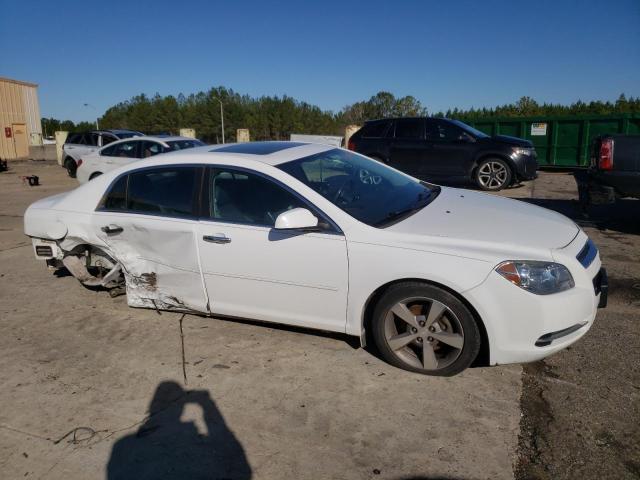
(367, 178)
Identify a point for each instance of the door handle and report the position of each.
(219, 238)
(108, 229)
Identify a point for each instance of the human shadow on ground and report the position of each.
(167, 447)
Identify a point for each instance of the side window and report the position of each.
(443, 131)
(124, 150)
(149, 149)
(107, 139)
(73, 138)
(109, 151)
(410, 129)
(92, 139)
(184, 144)
(116, 197)
(374, 130)
(241, 197)
(164, 191)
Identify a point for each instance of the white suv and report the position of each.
(80, 144)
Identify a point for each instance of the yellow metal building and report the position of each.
(20, 125)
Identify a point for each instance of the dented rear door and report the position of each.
(148, 222)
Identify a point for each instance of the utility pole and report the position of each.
(221, 117)
(89, 105)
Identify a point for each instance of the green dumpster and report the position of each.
(560, 141)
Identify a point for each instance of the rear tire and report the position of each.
(422, 328)
(493, 174)
(71, 166)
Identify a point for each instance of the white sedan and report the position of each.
(125, 151)
(321, 237)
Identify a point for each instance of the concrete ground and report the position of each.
(90, 388)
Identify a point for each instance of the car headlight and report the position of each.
(541, 278)
(522, 151)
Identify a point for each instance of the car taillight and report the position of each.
(351, 145)
(79, 162)
(605, 161)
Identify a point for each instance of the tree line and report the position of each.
(275, 118)
(528, 107)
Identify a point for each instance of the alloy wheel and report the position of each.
(493, 175)
(424, 333)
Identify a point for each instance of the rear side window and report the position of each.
(116, 197)
(163, 191)
(374, 130)
(184, 144)
(410, 129)
(108, 152)
(82, 139)
(74, 138)
(124, 150)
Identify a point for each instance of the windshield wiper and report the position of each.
(397, 215)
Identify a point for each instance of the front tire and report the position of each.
(71, 166)
(493, 174)
(425, 329)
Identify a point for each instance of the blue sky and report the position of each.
(447, 54)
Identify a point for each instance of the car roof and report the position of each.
(116, 131)
(162, 138)
(152, 138)
(270, 153)
(258, 148)
(406, 118)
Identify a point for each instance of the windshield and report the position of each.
(366, 189)
(184, 144)
(473, 131)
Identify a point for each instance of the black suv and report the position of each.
(440, 148)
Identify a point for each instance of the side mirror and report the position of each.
(297, 219)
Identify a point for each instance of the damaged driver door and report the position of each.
(148, 223)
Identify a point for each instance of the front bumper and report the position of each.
(524, 327)
(601, 287)
(526, 166)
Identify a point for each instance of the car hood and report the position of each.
(478, 218)
(506, 139)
